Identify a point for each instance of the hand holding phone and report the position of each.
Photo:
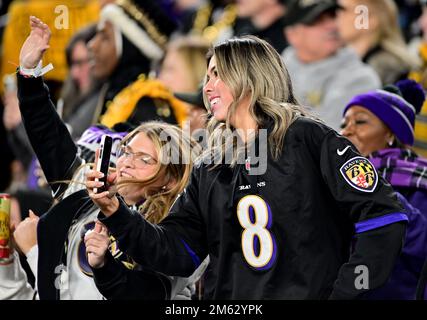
(103, 162)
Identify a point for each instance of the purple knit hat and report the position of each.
(395, 105)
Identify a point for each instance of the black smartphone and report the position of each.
(104, 161)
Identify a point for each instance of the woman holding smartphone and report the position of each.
(143, 179)
(310, 220)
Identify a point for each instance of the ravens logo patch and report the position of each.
(360, 174)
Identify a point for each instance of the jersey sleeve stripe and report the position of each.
(379, 222)
(194, 257)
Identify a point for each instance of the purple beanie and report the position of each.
(397, 113)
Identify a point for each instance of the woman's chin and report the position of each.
(219, 117)
(131, 196)
(132, 200)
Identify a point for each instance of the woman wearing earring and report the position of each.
(381, 125)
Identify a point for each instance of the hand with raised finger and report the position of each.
(97, 242)
(35, 45)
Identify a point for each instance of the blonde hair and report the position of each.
(389, 34)
(249, 65)
(193, 50)
(157, 200)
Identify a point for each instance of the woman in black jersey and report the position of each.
(284, 206)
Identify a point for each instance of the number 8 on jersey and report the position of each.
(258, 243)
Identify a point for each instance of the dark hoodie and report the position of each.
(131, 65)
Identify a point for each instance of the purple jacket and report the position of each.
(407, 173)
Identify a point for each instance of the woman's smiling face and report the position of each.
(365, 130)
(218, 93)
(138, 160)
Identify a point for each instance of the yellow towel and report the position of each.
(123, 105)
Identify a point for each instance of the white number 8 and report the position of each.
(255, 207)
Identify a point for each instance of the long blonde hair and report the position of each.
(249, 65)
(157, 200)
(389, 34)
(193, 51)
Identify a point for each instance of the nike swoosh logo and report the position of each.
(340, 153)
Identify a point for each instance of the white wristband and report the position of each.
(37, 71)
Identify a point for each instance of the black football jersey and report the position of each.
(298, 231)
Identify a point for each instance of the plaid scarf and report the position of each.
(401, 167)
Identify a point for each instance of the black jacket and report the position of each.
(57, 154)
(285, 234)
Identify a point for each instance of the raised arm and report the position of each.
(48, 135)
(35, 45)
